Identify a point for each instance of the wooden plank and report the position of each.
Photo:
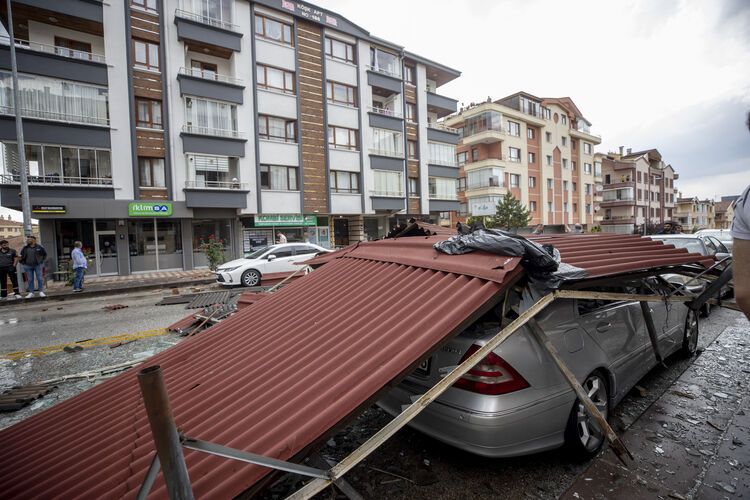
(583, 294)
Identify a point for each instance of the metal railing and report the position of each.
(448, 197)
(54, 116)
(387, 194)
(57, 180)
(383, 152)
(444, 128)
(384, 71)
(445, 163)
(196, 129)
(210, 21)
(229, 185)
(385, 112)
(485, 184)
(55, 49)
(208, 75)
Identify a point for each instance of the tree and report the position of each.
(488, 221)
(510, 214)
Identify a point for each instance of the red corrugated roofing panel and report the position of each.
(279, 374)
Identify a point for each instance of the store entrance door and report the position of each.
(106, 253)
(341, 232)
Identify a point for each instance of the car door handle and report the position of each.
(603, 327)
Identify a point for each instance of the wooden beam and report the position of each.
(631, 297)
(649, 318)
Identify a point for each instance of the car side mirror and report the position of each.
(271, 257)
(721, 255)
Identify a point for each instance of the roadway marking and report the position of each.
(51, 349)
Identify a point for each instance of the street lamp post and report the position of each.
(25, 204)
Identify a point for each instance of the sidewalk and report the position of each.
(107, 285)
(694, 441)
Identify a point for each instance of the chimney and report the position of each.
(621, 149)
(630, 150)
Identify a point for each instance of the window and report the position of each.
(148, 113)
(277, 129)
(412, 150)
(565, 206)
(272, 29)
(564, 141)
(640, 194)
(565, 163)
(514, 154)
(151, 172)
(391, 143)
(514, 129)
(213, 12)
(532, 182)
(532, 206)
(530, 133)
(639, 177)
(278, 178)
(549, 160)
(549, 206)
(214, 171)
(565, 185)
(411, 112)
(203, 69)
(342, 138)
(550, 184)
(587, 148)
(385, 62)
(532, 157)
(564, 119)
(442, 154)
(388, 183)
(442, 188)
(573, 165)
(210, 117)
(344, 182)
(145, 4)
(338, 93)
(575, 187)
(271, 78)
(548, 136)
(461, 158)
(462, 183)
(413, 187)
(515, 180)
(573, 143)
(588, 208)
(58, 164)
(474, 155)
(72, 48)
(146, 55)
(410, 75)
(587, 188)
(587, 168)
(489, 120)
(575, 208)
(546, 113)
(485, 177)
(342, 51)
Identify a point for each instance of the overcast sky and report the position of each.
(668, 74)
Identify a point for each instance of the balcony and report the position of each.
(386, 118)
(197, 139)
(198, 83)
(392, 201)
(206, 31)
(384, 79)
(441, 105)
(54, 187)
(622, 202)
(617, 219)
(619, 185)
(442, 133)
(216, 194)
(89, 10)
(58, 181)
(486, 136)
(586, 134)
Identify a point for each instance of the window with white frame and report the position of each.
(461, 158)
(546, 113)
(549, 206)
(515, 180)
(532, 157)
(587, 188)
(278, 178)
(385, 62)
(564, 119)
(388, 142)
(587, 168)
(442, 188)
(565, 185)
(532, 206)
(210, 117)
(532, 182)
(213, 171)
(550, 184)
(565, 163)
(388, 183)
(485, 177)
(442, 153)
(414, 187)
(344, 182)
(514, 129)
(145, 55)
(565, 206)
(548, 136)
(564, 141)
(549, 160)
(587, 148)
(514, 155)
(212, 11)
(530, 133)
(56, 164)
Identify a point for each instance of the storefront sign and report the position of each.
(48, 209)
(284, 220)
(149, 209)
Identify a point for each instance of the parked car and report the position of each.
(516, 402)
(275, 259)
(723, 235)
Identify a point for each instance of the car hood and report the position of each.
(236, 263)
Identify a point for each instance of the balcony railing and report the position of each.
(196, 129)
(384, 71)
(57, 180)
(449, 197)
(210, 21)
(236, 185)
(383, 152)
(387, 194)
(485, 184)
(385, 112)
(54, 49)
(445, 163)
(444, 128)
(208, 75)
(55, 116)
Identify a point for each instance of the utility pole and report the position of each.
(25, 203)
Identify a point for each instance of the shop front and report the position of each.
(263, 230)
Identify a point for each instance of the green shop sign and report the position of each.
(149, 209)
(285, 220)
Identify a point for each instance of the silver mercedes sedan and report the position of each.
(516, 402)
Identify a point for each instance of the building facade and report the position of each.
(151, 125)
(10, 228)
(638, 190)
(695, 214)
(539, 149)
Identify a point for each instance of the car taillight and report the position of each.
(493, 376)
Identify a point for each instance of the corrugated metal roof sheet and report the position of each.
(276, 376)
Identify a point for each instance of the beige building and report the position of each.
(10, 228)
(695, 214)
(724, 213)
(539, 149)
(638, 189)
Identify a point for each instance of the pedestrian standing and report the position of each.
(79, 266)
(32, 259)
(8, 259)
(281, 238)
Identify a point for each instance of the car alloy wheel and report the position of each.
(589, 433)
(690, 338)
(251, 277)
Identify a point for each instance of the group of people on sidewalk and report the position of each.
(32, 258)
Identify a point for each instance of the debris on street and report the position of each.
(18, 397)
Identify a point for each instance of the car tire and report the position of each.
(251, 277)
(583, 438)
(706, 310)
(690, 335)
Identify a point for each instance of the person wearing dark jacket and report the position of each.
(32, 259)
(8, 260)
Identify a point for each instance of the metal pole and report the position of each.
(649, 319)
(25, 203)
(164, 432)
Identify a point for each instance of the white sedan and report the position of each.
(274, 261)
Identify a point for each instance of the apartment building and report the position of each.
(638, 189)
(695, 214)
(10, 228)
(724, 212)
(539, 149)
(151, 125)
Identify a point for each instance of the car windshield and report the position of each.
(690, 244)
(256, 254)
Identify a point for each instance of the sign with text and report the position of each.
(149, 209)
(309, 12)
(483, 208)
(48, 209)
(285, 220)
